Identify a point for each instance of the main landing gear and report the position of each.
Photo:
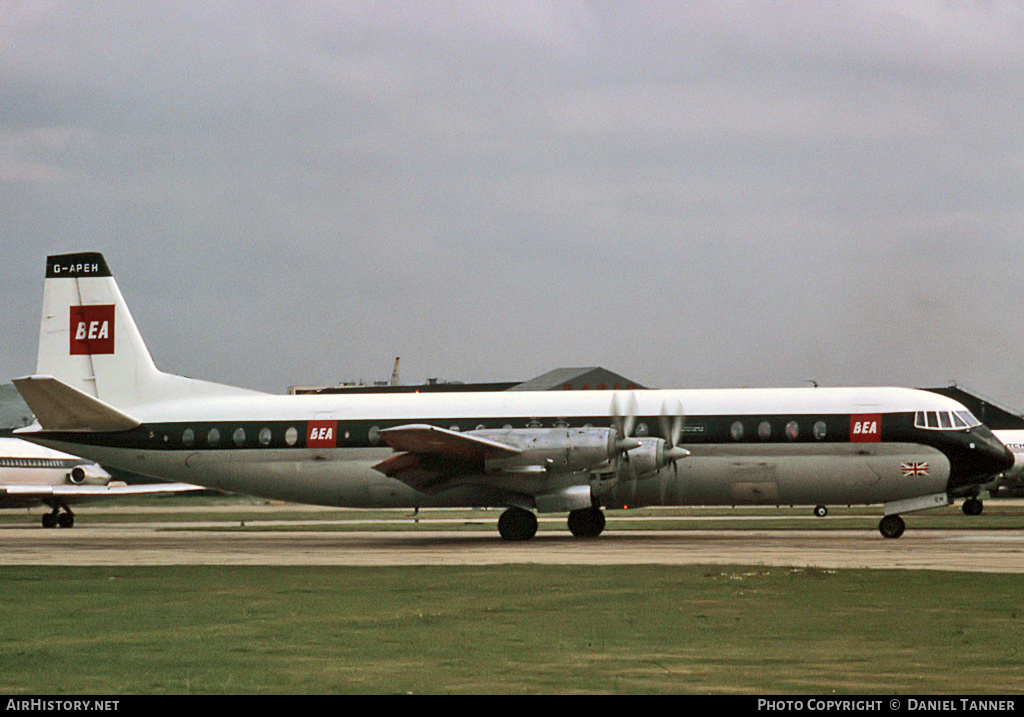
(59, 519)
(518, 524)
(586, 522)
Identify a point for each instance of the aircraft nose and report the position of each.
(996, 452)
(985, 458)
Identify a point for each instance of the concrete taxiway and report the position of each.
(958, 550)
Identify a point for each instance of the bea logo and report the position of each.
(92, 330)
(866, 428)
(322, 434)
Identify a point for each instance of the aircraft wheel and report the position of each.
(891, 526)
(66, 520)
(972, 506)
(586, 522)
(50, 520)
(820, 511)
(517, 524)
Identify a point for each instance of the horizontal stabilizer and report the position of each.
(59, 407)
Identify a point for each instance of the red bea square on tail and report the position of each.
(92, 330)
(866, 428)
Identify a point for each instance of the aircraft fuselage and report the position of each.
(749, 447)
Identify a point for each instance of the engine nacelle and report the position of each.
(651, 456)
(648, 458)
(552, 449)
(77, 475)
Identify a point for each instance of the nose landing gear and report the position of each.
(891, 526)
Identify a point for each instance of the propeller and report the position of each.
(623, 425)
(671, 431)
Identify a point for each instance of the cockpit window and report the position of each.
(969, 418)
(945, 420)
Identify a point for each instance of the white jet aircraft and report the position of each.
(31, 475)
(97, 393)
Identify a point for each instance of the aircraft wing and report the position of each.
(429, 457)
(424, 439)
(80, 493)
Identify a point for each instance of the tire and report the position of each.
(891, 526)
(972, 506)
(586, 522)
(517, 524)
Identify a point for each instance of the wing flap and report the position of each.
(430, 458)
(59, 407)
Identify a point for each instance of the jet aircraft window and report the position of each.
(291, 436)
(188, 438)
(959, 422)
(944, 420)
(736, 431)
(213, 437)
(239, 436)
(764, 430)
(932, 419)
(265, 436)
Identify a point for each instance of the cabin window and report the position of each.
(188, 437)
(374, 435)
(265, 436)
(764, 430)
(792, 430)
(944, 420)
(239, 436)
(736, 431)
(820, 429)
(291, 436)
(213, 437)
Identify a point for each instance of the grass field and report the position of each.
(507, 629)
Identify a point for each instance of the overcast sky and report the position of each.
(690, 194)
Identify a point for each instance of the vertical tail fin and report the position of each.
(88, 338)
(89, 341)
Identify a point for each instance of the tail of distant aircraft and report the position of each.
(93, 365)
